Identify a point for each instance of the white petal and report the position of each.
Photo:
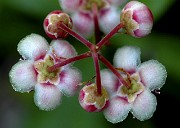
(62, 49)
(47, 97)
(153, 74)
(69, 80)
(109, 81)
(23, 76)
(83, 24)
(33, 47)
(109, 20)
(127, 57)
(117, 110)
(70, 5)
(144, 105)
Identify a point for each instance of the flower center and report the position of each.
(89, 3)
(92, 96)
(43, 73)
(135, 88)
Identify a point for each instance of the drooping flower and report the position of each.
(142, 78)
(82, 16)
(137, 19)
(91, 101)
(52, 21)
(32, 72)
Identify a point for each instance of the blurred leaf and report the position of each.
(158, 7)
(68, 115)
(35, 8)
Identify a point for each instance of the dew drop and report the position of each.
(134, 117)
(157, 91)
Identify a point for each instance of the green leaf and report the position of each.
(35, 8)
(158, 7)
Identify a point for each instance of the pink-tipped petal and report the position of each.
(117, 110)
(127, 57)
(33, 47)
(153, 74)
(69, 80)
(62, 49)
(109, 20)
(70, 5)
(23, 76)
(47, 97)
(133, 4)
(144, 105)
(83, 24)
(109, 81)
(145, 21)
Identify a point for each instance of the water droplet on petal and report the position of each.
(134, 117)
(157, 91)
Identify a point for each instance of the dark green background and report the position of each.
(19, 18)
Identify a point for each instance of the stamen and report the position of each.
(87, 82)
(128, 75)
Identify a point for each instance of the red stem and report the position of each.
(109, 65)
(77, 36)
(96, 23)
(108, 36)
(98, 77)
(70, 60)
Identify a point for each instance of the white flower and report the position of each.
(142, 79)
(32, 73)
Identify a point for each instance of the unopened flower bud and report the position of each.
(91, 101)
(137, 19)
(52, 22)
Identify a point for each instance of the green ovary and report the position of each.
(134, 88)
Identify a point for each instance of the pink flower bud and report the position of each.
(91, 101)
(137, 19)
(52, 21)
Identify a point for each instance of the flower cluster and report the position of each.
(125, 87)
